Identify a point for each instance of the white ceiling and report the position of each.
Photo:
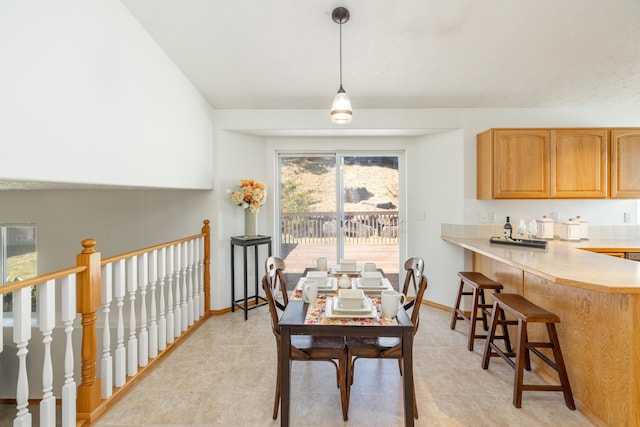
(254, 54)
(284, 54)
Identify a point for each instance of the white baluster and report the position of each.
(183, 274)
(21, 337)
(121, 352)
(67, 315)
(194, 279)
(132, 344)
(176, 278)
(143, 335)
(190, 305)
(106, 363)
(47, 320)
(153, 325)
(170, 316)
(162, 322)
(200, 274)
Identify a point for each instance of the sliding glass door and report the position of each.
(339, 205)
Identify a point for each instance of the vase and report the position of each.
(250, 223)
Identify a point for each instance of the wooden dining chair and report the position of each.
(274, 269)
(414, 269)
(383, 347)
(309, 348)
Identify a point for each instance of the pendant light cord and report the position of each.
(341, 54)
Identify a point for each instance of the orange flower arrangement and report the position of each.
(252, 195)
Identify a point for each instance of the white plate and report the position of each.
(330, 284)
(366, 307)
(331, 314)
(383, 286)
(316, 274)
(336, 270)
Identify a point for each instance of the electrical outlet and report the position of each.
(421, 216)
(627, 217)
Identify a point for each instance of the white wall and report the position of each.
(237, 157)
(87, 92)
(435, 186)
(446, 158)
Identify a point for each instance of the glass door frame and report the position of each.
(339, 155)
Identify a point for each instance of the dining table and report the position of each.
(301, 318)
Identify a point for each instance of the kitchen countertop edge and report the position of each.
(566, 263)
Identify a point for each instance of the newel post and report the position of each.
(207, 267)
(88, 303)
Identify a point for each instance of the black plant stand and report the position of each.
(246, 242)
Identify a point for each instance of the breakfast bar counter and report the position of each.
(598, 300)
(568, 263)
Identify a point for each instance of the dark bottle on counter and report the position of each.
(507, 230)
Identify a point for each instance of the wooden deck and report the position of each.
(301, 256)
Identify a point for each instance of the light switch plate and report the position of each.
(421, 216)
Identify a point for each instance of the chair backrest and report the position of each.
(274, 270)
(273, 310)
(415, 314)
(414, 268)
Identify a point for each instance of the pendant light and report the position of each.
(341, 112)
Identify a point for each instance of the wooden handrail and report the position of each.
(90, 405)
(151, 248)
(14, 286)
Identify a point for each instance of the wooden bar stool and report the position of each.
(525, 311)
(478, 282)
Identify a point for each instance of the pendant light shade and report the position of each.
(341, 112)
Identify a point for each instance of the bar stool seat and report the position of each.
(478, 283)
(526, 312)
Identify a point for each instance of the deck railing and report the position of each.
(357, 227)
(161, 291)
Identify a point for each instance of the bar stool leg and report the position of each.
(492, 331)
(483, 310)
(562, 372)
(505, 330)
(473, 316)
(454, 318)
(521, 352)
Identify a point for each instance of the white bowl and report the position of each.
(347, 264)
(371, 278)
(351, 298)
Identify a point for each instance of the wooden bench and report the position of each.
(526, 312)
(478, 283)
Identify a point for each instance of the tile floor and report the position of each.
(224, 375)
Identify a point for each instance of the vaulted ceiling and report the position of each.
(252, 54)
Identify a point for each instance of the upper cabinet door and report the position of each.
(521, 164)
(579, 163)
(625, 163)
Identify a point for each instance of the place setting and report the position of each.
(320, 279)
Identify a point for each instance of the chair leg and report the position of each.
(344, 388)
(276, 403)
(415, 402)
(348, 379)
(521, 351)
